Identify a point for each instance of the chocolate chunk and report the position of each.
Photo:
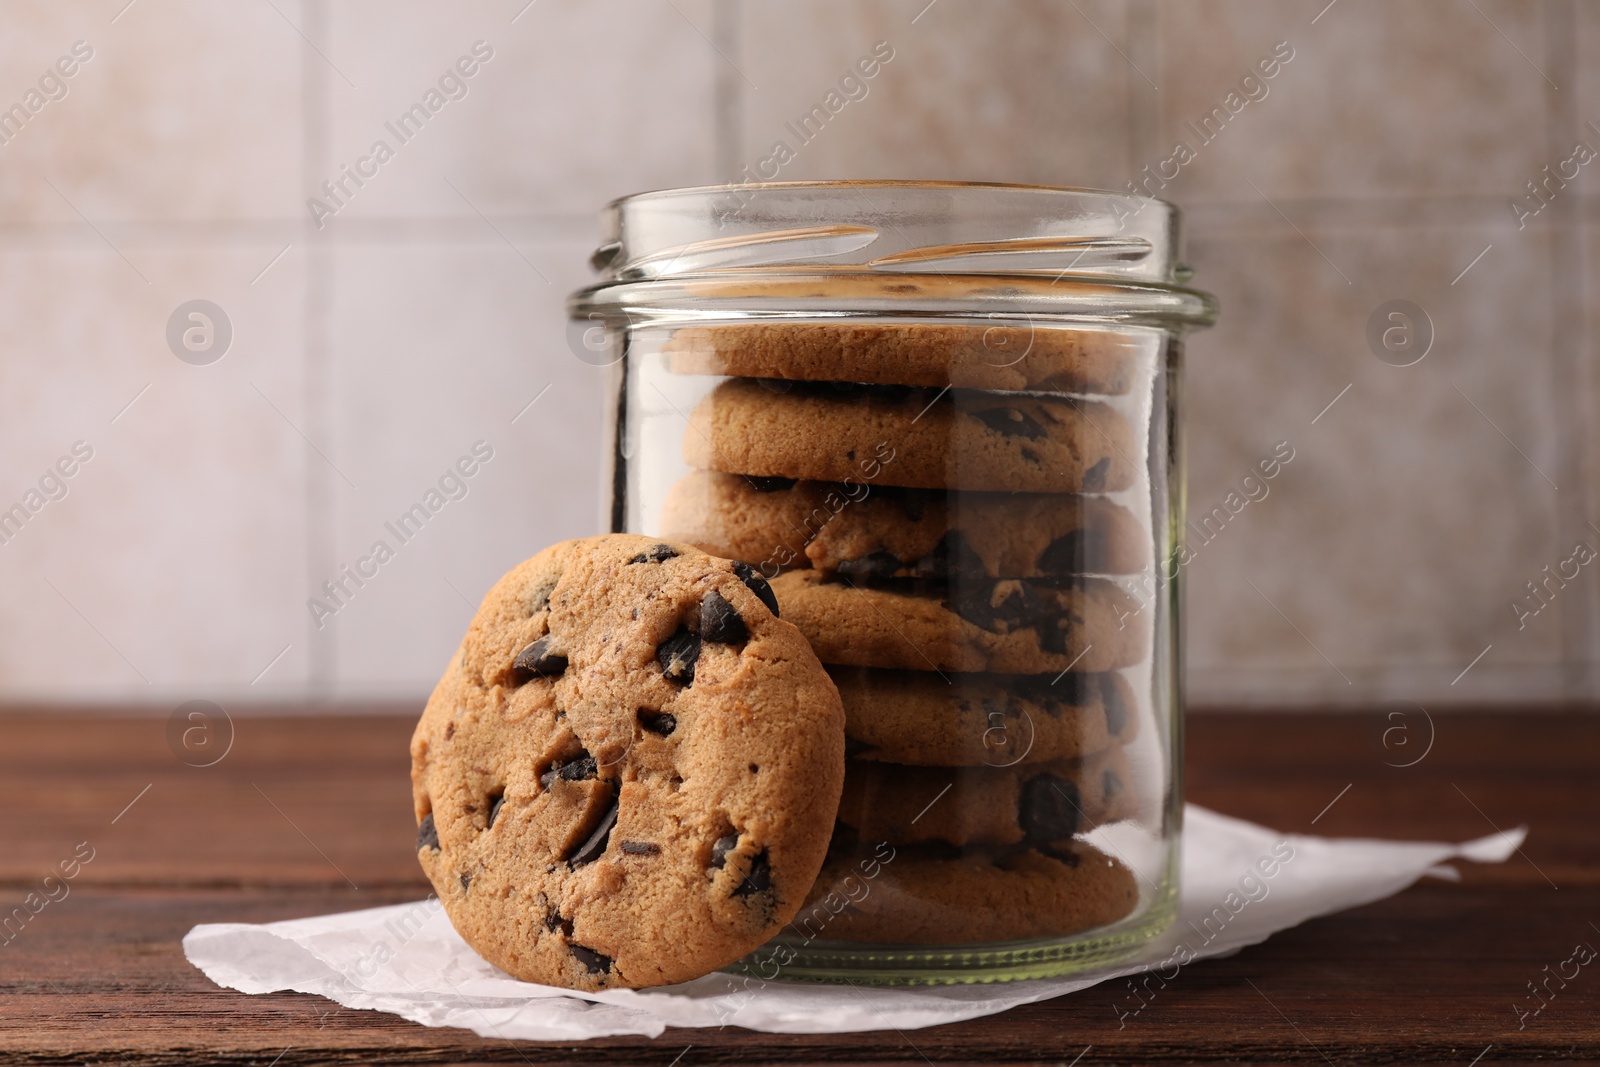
(720, 850)
(427, 834)
(769, 485)
(1116, 711)
(1094, 479)
(655, 554)
(1055, 633)
(579, 769)
(640, 848)
(1031, 456)
(1049, 810)
(539, 599)
(495, 800)
(996, 606)
(538, 658)
(757, 585)
(951, 557)
(677, 656)
(879, 564)
(759, 880)
(657, 722)
(466, 880)
(553, 922)
(595, 846)
(594, 961)
(1077, 552)
(720, 622)
(1009, 421)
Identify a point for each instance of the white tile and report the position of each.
(579, 103)
(434, 349)
(181, 542)
(1378, 99)
(185, 110)
(995, 91)
(1395, 541)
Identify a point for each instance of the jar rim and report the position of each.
(893, 247)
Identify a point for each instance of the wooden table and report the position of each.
(307, 815)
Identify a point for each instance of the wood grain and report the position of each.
(311, 814)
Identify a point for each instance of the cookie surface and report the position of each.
(922, 438)
(921, 895)
(967, 357)
(1037, 804)
(971, 720)
(879, 531)
(629, 773)
(1003, 627)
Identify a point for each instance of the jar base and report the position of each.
(796, 960)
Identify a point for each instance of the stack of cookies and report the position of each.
(935, 506)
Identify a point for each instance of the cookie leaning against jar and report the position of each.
(629, 773)
(923, 438)
(885, 531)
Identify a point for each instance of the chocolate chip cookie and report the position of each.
(1004, 627)
(628, 775)
(970, 720)
(1035, 804)
(1021, 357)
(879, 531)
(924, 438)
(932, 895)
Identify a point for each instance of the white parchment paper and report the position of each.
(407, 959)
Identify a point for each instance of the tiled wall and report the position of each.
(425, 314)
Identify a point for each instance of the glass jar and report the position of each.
(943, 419)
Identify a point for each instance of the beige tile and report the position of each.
(580, 103)
(1000, 91)
(1379, 100)
(186, 110)
(434, 349)
(181, 541)
(1397, 538)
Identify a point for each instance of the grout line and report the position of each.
(322, 647)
